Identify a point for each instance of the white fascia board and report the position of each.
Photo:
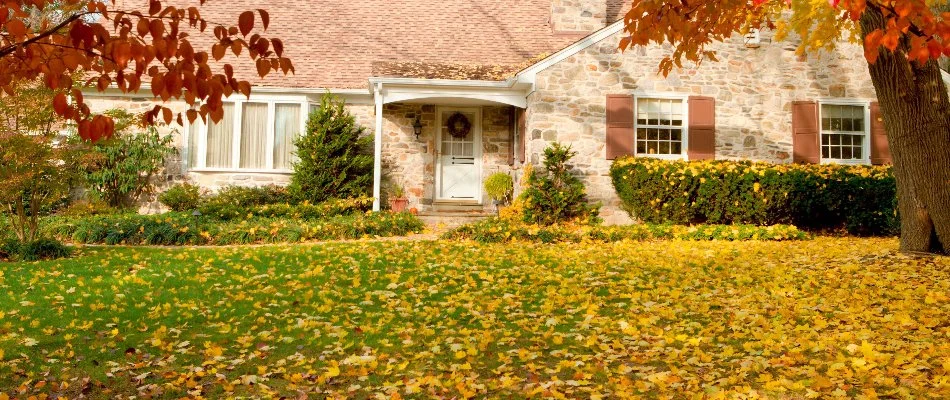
(405, 89)
(512, 97)
(145, 92)
(528, 75)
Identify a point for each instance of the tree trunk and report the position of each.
(916, 112)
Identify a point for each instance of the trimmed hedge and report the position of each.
(227, 211)
(499, 230)
(860, 199)
(183, 229)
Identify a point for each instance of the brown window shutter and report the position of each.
(522, 133)
(702, 128)
(619, 125)
(880, 152)
(805, 132)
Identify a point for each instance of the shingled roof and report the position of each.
(338, 44)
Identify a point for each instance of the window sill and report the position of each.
(243, 171)
(845, 162)
(663, 156)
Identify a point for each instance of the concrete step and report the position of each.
(445, 220)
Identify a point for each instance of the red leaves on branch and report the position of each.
(122, 49)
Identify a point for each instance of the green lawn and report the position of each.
(832, 316)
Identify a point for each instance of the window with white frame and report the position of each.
(753, 38)
(253, 135)
(844, 132)
(660, 127)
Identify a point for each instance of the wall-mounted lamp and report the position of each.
(417, 127)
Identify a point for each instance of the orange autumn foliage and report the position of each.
(691, 25)
(124, 48)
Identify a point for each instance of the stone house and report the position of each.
(455, 90)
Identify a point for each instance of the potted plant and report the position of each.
(397, 198)
(499, 187)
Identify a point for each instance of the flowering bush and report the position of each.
(860, 199)
(499, 230)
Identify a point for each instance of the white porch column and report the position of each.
(378, 147)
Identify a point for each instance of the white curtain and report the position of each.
(286, 128)
(193, 146)
(220, 140)
(254, 136)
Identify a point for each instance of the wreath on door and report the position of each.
(459, 126)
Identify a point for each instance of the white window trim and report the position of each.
(753, 38)
(201, 128)
(866, 143)
(685, 128)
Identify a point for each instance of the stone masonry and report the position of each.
(411, 163)
(753, 87)
(578, 15)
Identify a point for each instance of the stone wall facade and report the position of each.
(578, 15)
(754, 88)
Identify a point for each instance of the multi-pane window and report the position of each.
(844, 135)
(660, 126)
(252, 135)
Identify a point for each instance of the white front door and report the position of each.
(458, 171)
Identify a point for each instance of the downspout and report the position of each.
(378, 146)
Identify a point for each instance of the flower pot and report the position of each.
(398, 204)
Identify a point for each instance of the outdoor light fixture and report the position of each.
(417, 127)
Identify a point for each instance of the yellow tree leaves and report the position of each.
(691, 26)
(126, 48)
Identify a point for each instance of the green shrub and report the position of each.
(175, 228)
(119, 170)
(334, 159)
(9, 249)
(181, 197)
(43, 249)
(554, 194)
(83, 208)
(499, 186)
(860, 199)
(225, 211)
(498, 230)
(242, 196)
(35, 250)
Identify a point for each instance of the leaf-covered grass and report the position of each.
(831, 316)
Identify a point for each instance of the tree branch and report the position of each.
(9, 49)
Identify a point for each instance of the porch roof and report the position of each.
(460, 92)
